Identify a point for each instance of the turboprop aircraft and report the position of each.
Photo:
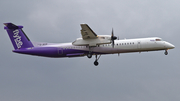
(90, 44)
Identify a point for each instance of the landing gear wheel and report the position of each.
(96, 63)
(166, 52)
(89, 55)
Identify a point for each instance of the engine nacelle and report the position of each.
(101, 39)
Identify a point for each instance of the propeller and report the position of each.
(113, 38)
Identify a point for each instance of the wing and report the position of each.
(89, 38)
(87, 32)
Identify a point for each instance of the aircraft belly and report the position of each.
(110, 50)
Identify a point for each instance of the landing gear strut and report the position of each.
(166, 52)
(96, 63)
(89, 55)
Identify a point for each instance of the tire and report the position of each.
(96, 63)
(89, 55)
(166, 53)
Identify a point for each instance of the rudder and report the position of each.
(17, 36)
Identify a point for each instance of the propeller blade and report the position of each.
(113, 43)
(113, 38)
(112, 34)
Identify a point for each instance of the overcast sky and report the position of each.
(148, 76)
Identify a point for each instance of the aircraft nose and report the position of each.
(169, 45)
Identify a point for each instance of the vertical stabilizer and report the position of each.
(17, 36)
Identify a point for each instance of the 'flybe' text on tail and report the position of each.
(17, 36)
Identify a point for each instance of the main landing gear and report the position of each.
(166, 52)
(89, 55)
(96, 63)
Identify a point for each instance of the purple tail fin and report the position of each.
(17, 36)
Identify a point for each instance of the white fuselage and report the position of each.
(122, 46)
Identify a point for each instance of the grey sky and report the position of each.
(148, 76)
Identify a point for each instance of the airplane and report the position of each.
(90, 44)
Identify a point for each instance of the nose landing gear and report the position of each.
(166, 52)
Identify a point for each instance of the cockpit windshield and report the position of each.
(159, 39)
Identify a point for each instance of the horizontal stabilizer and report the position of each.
(11, 26)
